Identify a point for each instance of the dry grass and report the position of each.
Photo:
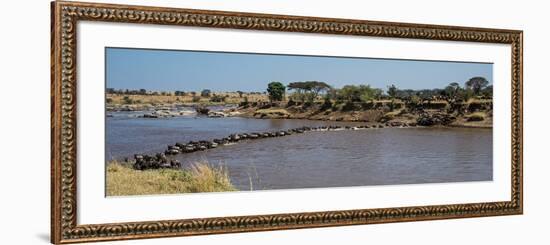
(394, 113)
(476, 117)
(123, 180)
(273, 111)
(232, 98)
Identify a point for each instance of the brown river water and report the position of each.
(386, 156)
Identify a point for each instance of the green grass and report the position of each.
(123, 180)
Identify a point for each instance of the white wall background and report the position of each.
(25, 121)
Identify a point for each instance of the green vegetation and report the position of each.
(327, 104)
(360, 93)
(127, 100)
(320, 101)
(439, 106)
(217, 98)
(308, 91)
(487, 92)
(476, 84)
(206, 93)
(276, 91)
(123, 180)
(392, 91)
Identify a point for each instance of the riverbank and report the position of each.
(123, 180)
(140, 102)
(474, 113)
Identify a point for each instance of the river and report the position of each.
(383, 156)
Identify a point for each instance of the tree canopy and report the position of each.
(358, 93)
(206, 93)
(476, 84)
(276, 91)
(309, 90)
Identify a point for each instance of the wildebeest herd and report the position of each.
(161, 160)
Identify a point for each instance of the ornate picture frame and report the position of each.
(64, 106)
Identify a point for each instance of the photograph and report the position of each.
(178, 119)
(190, 121)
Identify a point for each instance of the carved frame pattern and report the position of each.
(65, 15)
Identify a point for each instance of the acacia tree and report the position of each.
(476, 84)
(299, 88)
(317, 87)
(276, 91)
(309, 90)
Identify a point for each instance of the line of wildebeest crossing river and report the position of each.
(165, 159)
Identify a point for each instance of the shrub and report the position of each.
(290, 102)
(435, 105)
(479, 105)
(297, 96)
(265, 105)
(244, 103)
(348, 106)
(327, 104)
(392, 104)
(337, 105)
(358, 93)
(206, 93)
(127, 100)
(217, 98)
(307, 104)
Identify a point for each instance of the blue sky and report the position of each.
(169, 70)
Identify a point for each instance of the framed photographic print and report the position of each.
(176, 122)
